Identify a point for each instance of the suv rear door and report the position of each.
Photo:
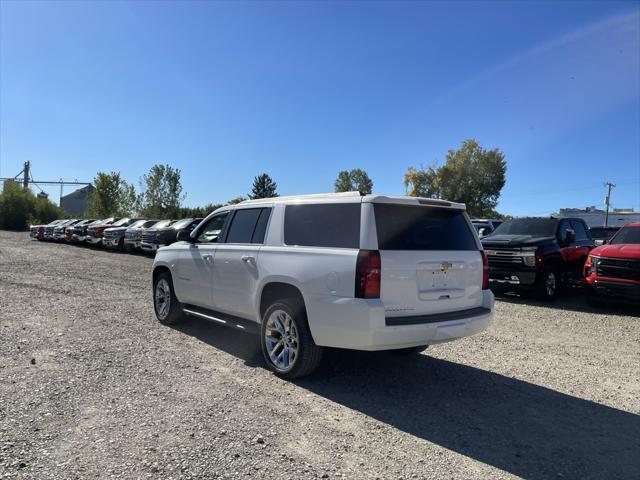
(235, 269)
(430, 259)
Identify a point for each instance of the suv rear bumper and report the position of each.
(362, 324)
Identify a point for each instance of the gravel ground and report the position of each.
(91, 386)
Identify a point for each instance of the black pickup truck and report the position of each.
(537, 253)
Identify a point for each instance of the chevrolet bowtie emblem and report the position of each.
(445, 266)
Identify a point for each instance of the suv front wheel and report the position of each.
(165, 303)
(549, 284)
(287, 345)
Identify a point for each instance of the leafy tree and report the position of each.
(263, 187)
(356, 179)
(470, 175)
(113, 196)
(196, 212)
(233, 201)
(162, 192)
(19, 207)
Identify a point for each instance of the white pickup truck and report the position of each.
(335, 270)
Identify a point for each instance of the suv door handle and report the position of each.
(247, 258)
(207, 258)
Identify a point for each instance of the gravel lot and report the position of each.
(91, 386)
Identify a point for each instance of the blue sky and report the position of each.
(300, 90)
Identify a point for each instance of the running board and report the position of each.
(223, 319)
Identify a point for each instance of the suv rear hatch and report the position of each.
(430, 259)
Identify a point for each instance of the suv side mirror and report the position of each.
(184, 236)
(570, 236)
(482, 232)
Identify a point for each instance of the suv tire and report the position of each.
(285, 330)
(165, 304)
(549, 284)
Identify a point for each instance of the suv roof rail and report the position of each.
(354, 193)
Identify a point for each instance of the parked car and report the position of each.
(49, 229)
(59, 230)
(156, 237)
(133, 235)
(337, 270)
(69, 231)
(113, 237)
(538, 253)
(612, 271)
(37, 231)
(96, 232)
(80, 231)
(600, 235)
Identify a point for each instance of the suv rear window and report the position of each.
(408, 227)
(323, 225)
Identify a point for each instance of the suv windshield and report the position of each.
(627, 235)
(182, 223)
(161, 224)
(408, 227)
(536, 227)
(137, 224)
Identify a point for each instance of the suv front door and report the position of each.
(235, 271)
(195, 263)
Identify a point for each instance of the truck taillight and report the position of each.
(368, 274)
(485, 271)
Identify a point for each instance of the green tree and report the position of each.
(19, 207)
(356, 179)
(236, 200)
(113, 196)
(162, 192)
(470, 175)
(263, 187)
(196, 212)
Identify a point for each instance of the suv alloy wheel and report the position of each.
(287, 346)
(165, 303)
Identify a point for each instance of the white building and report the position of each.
(595, 217)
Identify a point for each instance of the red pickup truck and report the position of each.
(612, 271)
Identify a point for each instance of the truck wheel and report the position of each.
(287, 346)
(549, 284)
(165, 303)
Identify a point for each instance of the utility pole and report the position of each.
(25, 177)
(607, 199)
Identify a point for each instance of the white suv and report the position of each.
(337, 270)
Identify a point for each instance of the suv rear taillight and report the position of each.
(368, 274)
(485, 270)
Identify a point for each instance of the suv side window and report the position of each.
(210, 233)
(245, 223)
(581, 232)
(323, 225)
(564, 226)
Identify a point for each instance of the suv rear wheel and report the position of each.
(165, 303)
(287, 345)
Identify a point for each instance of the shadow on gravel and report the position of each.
(516, 426)
(571, 299)
(527, 430)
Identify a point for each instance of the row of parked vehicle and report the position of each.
(124, 234)
(362, 272)
(542, 254)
